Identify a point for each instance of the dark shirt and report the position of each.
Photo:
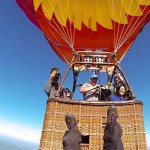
(72, 140)
(112, 136)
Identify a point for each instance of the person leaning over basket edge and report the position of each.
(91, 89)
(72, 137)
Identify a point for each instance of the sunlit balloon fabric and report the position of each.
(77, 25)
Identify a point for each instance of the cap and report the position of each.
(94, 76)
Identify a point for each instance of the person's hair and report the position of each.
(112, 108)
(118, 88)
(54, 69)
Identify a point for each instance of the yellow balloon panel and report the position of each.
(90, 12)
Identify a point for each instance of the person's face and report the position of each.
(93, 81)
(54, 72)
(68, 94)
(117, 80)
(121, 91)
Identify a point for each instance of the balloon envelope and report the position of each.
(78, 25)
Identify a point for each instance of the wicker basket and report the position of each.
(91, 122)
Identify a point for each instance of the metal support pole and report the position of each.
(133, 96)
(65, 75)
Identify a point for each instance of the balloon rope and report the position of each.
(116, 38)
(67, 32)
(132, 29)
(113, 22)
(122, 31)
(138, 21)
(50, 31)
(69, 16)
(73, 34)
(125, 52)
(60, 31)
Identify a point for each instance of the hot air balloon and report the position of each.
(73, 26)
(91, 35)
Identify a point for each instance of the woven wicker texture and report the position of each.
(91, 122)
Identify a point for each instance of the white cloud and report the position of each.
(19, 132)
(148, 139)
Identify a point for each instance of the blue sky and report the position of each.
(25, 61)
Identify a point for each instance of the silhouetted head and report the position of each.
(112, 113)
(70, 121)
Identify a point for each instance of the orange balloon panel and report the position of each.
(72, 25)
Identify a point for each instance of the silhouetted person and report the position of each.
(113, 131)
(72, 137)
